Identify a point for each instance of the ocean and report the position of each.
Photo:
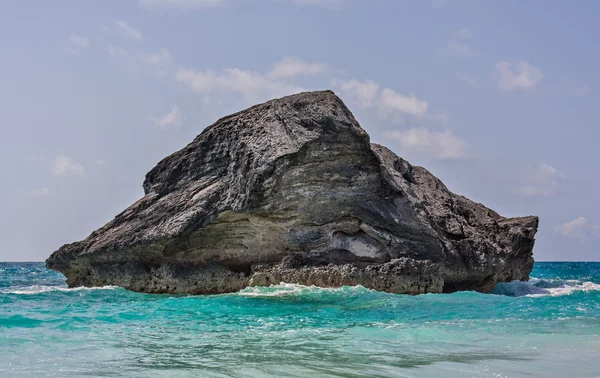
(548, 327)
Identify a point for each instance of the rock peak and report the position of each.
(292, 190)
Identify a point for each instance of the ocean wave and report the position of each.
(540, 288)
(533, 288)
(38, 289)
(292, 290)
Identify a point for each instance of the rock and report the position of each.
(292, 190)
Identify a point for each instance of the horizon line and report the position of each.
(545, 261)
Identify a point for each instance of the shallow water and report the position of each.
(548, 327)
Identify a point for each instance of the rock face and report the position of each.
(292, 190)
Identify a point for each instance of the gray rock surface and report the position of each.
(292, 190)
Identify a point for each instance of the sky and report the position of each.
(499, 99)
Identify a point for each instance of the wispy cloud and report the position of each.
(207, 4)
(365, 93)
(290, 67)
(128, 31)
(392, 101)
(396, 107)
(78, 41)
(438, 145)
(573, 229)
(169, 120)
(544, 180)
(457, 45)
(253, 86)
(63, 166)
(517, 76)
(459, 49)
(390, 105)
(331, 4)
(180, 4)
(75, 43)
(463, 33)
(578, 229)
(156, 63)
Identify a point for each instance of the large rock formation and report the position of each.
(292, 190)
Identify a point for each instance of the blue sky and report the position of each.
(498, 99)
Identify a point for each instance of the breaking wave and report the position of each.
(39, 289)
(533, 288)
(293, 290)
(539, 288)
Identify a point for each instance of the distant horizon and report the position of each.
(552, 261)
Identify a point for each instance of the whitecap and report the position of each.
(570, 288)
(287, 289)
(37, 289)
(540, 288)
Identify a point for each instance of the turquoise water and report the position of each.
(549, 327)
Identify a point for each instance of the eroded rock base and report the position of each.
(401, 276)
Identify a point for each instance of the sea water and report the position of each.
(548, 327)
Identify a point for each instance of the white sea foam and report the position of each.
(286, 289)
(540, 288)
(570, 288)
(37, 289)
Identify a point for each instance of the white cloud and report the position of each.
(102, 163)
(463, 33)
(157, 63)
(128, 31)
(517, 76)
(391, 101)
(253, 86)
(459, 49)
(120, 54)
(206, 4)
(390, 104)
(456, 46)
(545, 180)
(169, 120)
(321, 3)
(290, 67)
(440, 145)
(78, 41)
(365, 93)
(180, 4)
(576, 228)
(63, 166)
(41, 192)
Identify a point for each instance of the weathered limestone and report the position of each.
(292, 190)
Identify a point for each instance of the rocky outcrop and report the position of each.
(292, 190)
